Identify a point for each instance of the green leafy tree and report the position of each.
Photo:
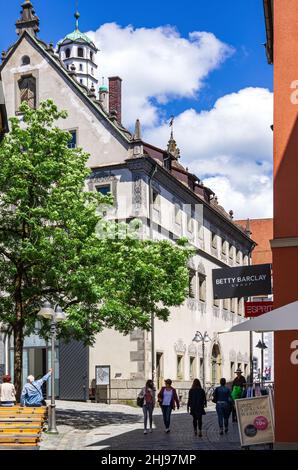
(49, 247)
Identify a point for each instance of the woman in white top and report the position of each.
(167, 399)
(7, 392)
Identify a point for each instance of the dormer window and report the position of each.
(80, 52)
(67, 53)
(25, 60)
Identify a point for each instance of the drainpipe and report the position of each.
(151, 175)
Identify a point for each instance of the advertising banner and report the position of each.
(244, 281)
(255, 420)
(254, 309)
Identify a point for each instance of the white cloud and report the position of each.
(230, 148)
(156, 63)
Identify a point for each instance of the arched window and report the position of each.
(67, 53)
(80, 52)
(27, 88)
(25, 60)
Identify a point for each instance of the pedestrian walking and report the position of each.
(223, 400)
(167, 399)
(238, 387)
(7, 392)
(147, 394)
(32, 391)
(196, 405)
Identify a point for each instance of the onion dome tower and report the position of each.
(77, 50)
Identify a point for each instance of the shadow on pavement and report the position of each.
(181, 436)
(93, 419)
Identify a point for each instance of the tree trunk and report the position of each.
(18, 337)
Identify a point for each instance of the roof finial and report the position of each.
(172, 145)
(77, 16)
(29, 21)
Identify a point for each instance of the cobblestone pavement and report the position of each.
(91, 426)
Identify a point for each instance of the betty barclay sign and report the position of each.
(255, 420)
(244, 281)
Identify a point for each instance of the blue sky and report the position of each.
(237, 23)
(216, 82)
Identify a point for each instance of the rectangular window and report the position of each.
(190, 221)
(104, 189)
(201, 368)
(192, 284)
(178, 214)
(202, 287)
(72, 144)
(216, 302)
(224, 247)
(232, 370)
(27, 90)
(240, 306)
(234, 303)
(213, 240)
(179, 367)
(226, 304)
(192, 367)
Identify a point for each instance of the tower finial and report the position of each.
(172, 145)
(77, 16)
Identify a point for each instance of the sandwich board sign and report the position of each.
(255, 420)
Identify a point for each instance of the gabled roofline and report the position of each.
(54, 61)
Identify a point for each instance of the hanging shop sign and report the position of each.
(244, 281)
(254, 309)
(255, 420)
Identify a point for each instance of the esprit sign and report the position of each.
(294, 354)
(254, 309)
(244, 281)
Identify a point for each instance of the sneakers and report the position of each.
(167, 430)
(221, 432)
(150, 430)
(145, 431)
(200, 434)
(226, 430)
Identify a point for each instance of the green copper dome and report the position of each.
(76, 36)
(103, 88)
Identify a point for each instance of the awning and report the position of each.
(281, 319)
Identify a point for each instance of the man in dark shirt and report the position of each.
(239, 381)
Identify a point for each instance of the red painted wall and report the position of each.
(285, 260)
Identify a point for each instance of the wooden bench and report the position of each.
(21, 427)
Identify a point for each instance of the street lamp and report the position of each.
(55, 315)
(202, 338)
(261, 345)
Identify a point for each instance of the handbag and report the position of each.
(140, 401)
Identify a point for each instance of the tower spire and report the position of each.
(29, 21)
(172, 145)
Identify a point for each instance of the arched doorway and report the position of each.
(215, 364)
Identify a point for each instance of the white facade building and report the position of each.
(137, 174)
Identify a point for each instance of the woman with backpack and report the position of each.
(146, 399)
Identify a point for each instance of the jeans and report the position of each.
(166, 411)
(148, 411)
(223, 413)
